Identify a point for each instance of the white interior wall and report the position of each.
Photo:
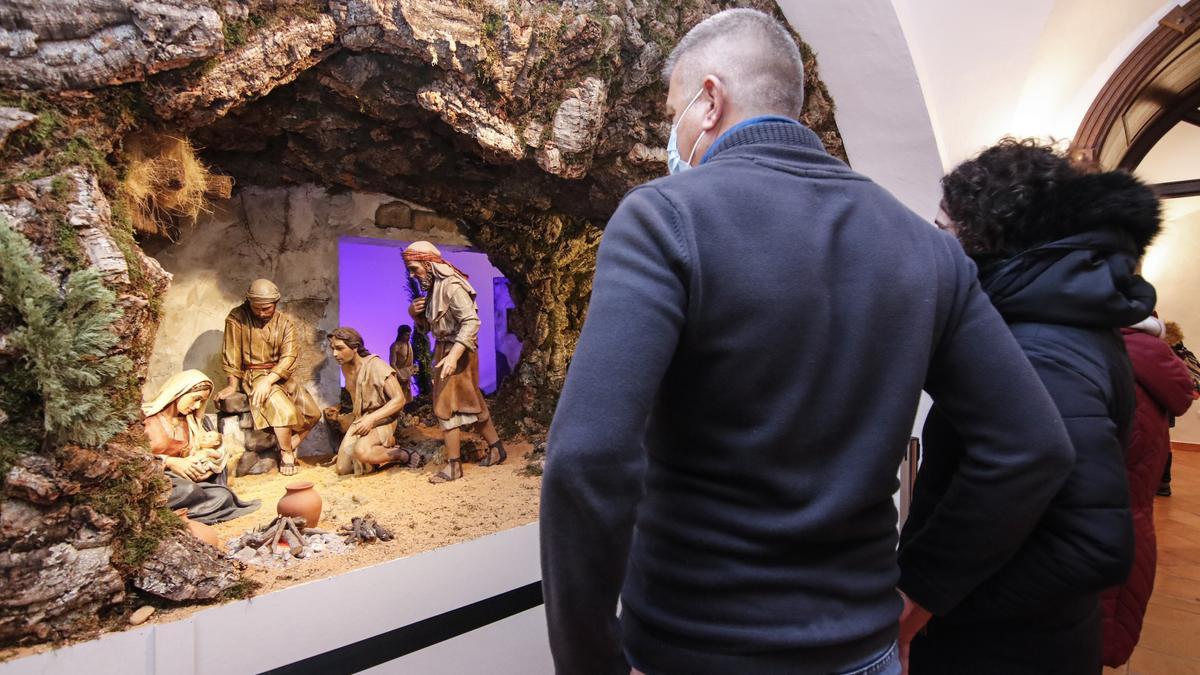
(1171, 265)
(1175, 157)
(864, 60)
(1020, 67)
(1170, 262)
(881, 112)
(919, 85)
(1033, 68)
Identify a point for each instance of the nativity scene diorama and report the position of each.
(264, 399)
(259, 356)
(291, 287)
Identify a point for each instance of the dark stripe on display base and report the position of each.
(393, 644)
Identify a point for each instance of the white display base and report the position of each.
(287, 626)
(517, 644)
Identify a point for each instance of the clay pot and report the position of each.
(301, 500)
(200, 531)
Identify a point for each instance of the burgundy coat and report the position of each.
(1164, 387)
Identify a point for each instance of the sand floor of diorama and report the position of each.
(423, 516)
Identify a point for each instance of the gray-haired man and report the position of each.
(726, 447)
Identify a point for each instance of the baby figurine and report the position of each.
(210, 448)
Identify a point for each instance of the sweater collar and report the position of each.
(773, 129)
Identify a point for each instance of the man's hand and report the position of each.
(912, 621)
(228, 391)
(446, 367)
(417, 308)
(262, 389)
(361, 426)
(449, 363)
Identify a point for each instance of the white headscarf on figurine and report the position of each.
(174, 389)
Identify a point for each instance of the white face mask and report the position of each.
(675, 163)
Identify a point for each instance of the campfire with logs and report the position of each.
(287, 531)
(286, 539)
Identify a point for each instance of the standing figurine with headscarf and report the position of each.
(259, 358)
(448, 310)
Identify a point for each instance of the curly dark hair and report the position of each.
(1021, 193)
(998, 199)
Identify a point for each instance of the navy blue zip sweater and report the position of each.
(725, 450)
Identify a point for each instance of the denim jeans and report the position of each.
(886, 663)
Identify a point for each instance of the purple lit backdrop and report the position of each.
(508, 346)
(373, 295)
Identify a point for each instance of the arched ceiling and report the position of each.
(881, 111)
(1021, 67)
(922, 85)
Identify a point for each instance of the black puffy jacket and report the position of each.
(1064, 302)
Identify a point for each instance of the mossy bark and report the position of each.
(76, 522)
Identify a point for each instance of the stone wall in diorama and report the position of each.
(524, 121)
(289, 235)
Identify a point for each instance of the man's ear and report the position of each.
(718, 102)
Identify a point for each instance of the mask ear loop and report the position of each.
(701, 136)
(687, 108)
(696, 145)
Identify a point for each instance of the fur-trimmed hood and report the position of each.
(1110, 200)
(1086, 279)
(1077, 256)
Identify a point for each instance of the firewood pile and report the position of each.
(364, 530)
(282, 541)
(282, 533)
